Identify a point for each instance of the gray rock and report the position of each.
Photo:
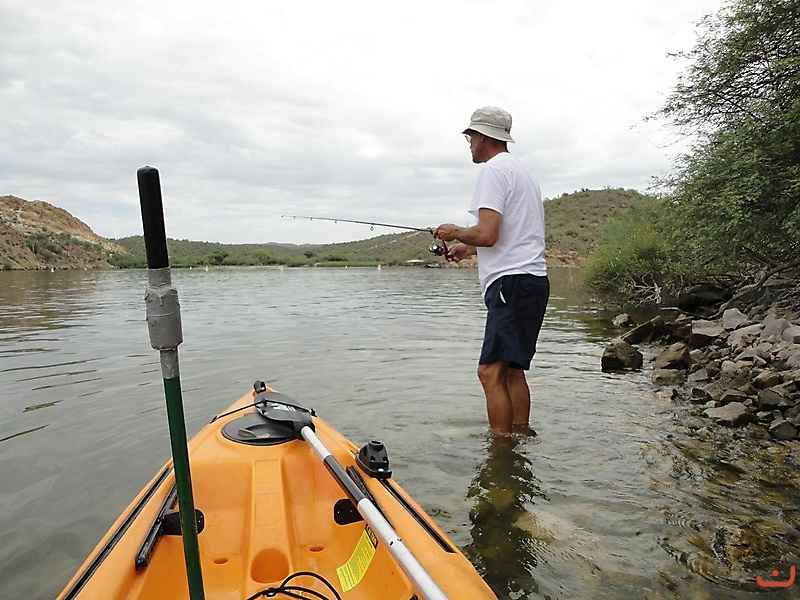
(793, 413)
(705, 333)
(774, 327)
(734, 414)
(645, 332)
(783, 430)
(729, 368)
(699, 376)
(668, 376)
(792, 334)
(619, 355)
(623, 320)
(675, 356)
(733, 318)
(754, 352)
(733, 396)
(767, 379)
(773, 398)
(764, 416)
(751, 331)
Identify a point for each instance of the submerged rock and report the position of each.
(735, 546)
(668, 376)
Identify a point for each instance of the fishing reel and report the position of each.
(439, 250)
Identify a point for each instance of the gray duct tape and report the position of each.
(163, 311)
(169, 364)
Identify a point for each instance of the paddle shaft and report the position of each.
(413, 569)
(164, 325)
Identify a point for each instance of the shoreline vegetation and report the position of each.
(38, 235)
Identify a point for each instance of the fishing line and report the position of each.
(435, 249)
(371, 223)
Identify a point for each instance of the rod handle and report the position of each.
(155, 235)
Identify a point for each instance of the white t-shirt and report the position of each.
(505, 186)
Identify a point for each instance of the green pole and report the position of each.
(166, 333)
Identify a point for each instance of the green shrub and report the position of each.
(635, 254)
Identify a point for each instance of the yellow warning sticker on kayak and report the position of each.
(352, 572)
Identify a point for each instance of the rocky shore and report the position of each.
(742, 367)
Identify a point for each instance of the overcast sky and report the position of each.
(253, 109)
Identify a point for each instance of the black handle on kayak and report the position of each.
(155, 234)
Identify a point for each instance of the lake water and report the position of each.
(621, 495)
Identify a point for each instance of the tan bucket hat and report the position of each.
(492, 122)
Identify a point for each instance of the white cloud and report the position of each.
(254, 109)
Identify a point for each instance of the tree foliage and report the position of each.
(737, 193)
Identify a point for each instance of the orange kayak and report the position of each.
(274, 516)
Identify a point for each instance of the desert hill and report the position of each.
(38, 235)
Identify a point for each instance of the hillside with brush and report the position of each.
(37, 235)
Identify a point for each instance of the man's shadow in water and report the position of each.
(502, 490)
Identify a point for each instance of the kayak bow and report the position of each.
(272, 510)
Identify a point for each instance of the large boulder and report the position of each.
(702, 298)
(619, 355)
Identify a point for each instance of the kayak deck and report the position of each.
(272, 510)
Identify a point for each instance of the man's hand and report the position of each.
(458, 252)
(447, 232)
(484, 233)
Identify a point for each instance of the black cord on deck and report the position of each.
(293, 591)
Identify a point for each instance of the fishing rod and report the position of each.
(435, 249)
(428, 229)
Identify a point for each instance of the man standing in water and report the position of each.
(509, 241)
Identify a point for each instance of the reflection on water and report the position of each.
(623, 493)
(503, 546)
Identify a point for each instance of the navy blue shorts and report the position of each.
(516, 306)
